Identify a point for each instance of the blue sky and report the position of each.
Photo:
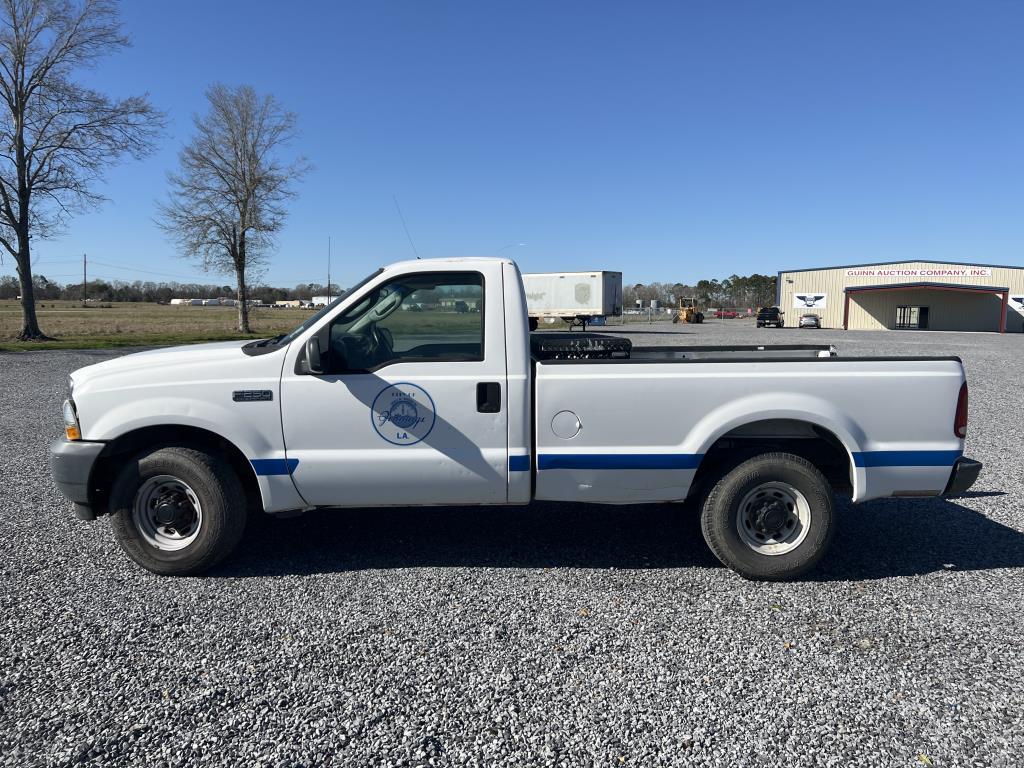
(671, 141)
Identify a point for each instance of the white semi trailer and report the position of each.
(575, 297)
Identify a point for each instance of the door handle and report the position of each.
(488, 397)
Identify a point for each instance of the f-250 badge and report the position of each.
(403, 413)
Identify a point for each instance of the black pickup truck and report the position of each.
(770, 316)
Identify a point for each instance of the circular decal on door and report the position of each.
(403, 413)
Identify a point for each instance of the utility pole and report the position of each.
(84, 281)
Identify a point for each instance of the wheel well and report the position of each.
(130, 443)
(802, 438)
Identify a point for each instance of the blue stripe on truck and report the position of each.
(518, 463)
(906, 458)
(867, 459)
(692, 460)
(619, 460)
(274, 466)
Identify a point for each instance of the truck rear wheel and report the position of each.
(177, 511)
(771, 518)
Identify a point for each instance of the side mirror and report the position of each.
(314, 362)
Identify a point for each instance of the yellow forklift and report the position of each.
(689, 311)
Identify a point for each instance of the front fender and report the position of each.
(248, 434)
(254, 431)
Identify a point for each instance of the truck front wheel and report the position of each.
(771, 518)
(177, 511)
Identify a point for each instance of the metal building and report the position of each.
(911, 295)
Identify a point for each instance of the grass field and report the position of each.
(138, 324)
(127, 324)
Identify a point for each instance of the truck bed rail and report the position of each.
(597, 346)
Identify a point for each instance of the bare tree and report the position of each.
(227, 201)
(58, 137)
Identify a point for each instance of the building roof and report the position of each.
(935, 286)
(906, 261)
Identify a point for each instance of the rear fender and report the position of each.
(774, 405)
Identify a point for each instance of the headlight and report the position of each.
(71, 428)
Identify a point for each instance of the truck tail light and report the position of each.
(960, 420)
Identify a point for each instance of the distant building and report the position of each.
(322, 301)
(907, 295)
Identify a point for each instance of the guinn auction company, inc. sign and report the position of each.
(951, 271)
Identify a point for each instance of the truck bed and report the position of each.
(630, 428)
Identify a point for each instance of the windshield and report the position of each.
(315, 318)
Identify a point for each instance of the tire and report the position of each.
(755, 547)
(202, 486)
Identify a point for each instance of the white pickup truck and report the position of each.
(423, 386)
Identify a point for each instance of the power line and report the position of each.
(186, 277)
(147, 271)
(202, 280)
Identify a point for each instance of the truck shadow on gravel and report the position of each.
(638, 332)
(876, 540)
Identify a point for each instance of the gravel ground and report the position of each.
(553, 635)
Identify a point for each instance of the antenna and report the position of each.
(328, 269)
(406, 228)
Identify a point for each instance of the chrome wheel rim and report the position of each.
(167, 513)
(773, 518)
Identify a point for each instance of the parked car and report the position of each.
(810, 320)
(358, 407)
(770, 316)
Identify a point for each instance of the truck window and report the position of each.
(287, 339)
(432, 316)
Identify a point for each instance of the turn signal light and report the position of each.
(960, 421)
(71, 428)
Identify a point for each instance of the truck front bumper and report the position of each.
(964, 474)
(71, 464)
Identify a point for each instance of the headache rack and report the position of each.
(579, 346)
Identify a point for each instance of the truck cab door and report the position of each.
(411, 404)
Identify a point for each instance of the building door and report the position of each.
(911, 318)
